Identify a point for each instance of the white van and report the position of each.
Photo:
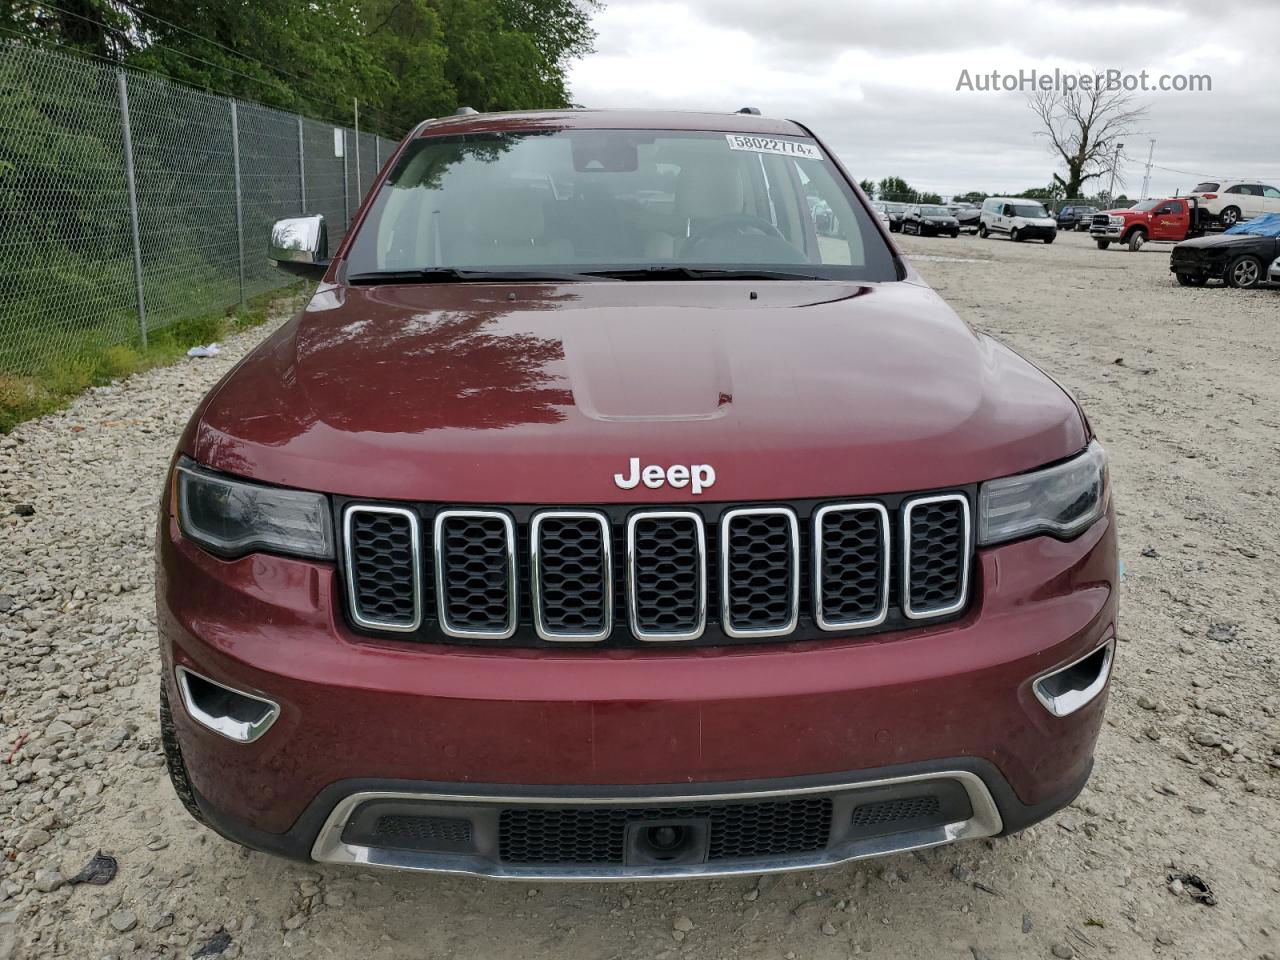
(1020, 219)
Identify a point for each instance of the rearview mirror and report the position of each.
(300, 245)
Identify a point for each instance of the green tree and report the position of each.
(868, 187)
(929, 198)
(895, 188)
(403, 60)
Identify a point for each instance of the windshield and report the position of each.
(935, 212)
(1208, 187)
(1146, 206)
(578, 201)
(1032, 211)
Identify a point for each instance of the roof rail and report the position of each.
(465, 111)
(754, 111)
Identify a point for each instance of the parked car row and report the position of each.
(1247, 255)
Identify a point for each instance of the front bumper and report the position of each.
(1037, 233)
(1211, 268)
(952, 702)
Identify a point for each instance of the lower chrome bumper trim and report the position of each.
(985, 821)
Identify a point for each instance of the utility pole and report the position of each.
(1115, 161)
(1146, 180)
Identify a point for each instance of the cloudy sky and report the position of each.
(877, 79)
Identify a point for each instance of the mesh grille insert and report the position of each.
(474, 552)
(852, 565)
(937, 555)
(597, 835)
(760, 571)
(381, 556)
(573, 574)
(395, 830)
(891, 811)
(667, 574)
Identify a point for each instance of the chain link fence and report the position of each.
(128, 202)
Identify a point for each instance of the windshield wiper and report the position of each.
(456, 275)
(674, 272)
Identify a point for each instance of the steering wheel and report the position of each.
(733, 223)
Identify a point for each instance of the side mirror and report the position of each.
(300, 245)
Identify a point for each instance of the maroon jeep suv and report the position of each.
(605, 515)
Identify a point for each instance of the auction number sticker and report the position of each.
(806, 150)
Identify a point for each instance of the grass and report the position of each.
(93, 360)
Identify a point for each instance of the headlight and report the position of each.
(1061, 501)
(231, 518)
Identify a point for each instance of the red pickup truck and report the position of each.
(1171, 220)
(569, 533)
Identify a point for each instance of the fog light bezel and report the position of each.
(239, 731)
(1072, 701)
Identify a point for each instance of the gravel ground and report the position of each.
(1181, 385)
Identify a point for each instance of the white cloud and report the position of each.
(877, 79)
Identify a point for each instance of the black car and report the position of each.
(1071, 217)
(895, 212)
(927, 220)
(1239, 259)
(968, 215)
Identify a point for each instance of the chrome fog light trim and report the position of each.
(242, 729)
(1063, 693)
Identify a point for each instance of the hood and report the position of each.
(1218, 241)
(541, 393)
(1122, 212)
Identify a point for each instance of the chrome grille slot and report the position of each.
(572, 575)
(475, 559)
(935, 562)
(384, 567)
(666, 575)
(851, 563)
(759, 572)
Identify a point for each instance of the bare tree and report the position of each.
(1083, 128)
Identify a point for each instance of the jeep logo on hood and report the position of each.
(697, 476)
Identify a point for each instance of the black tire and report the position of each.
(1191, 279)
(1136, 239)
(1103, 244)
(983, 232)
(1246, 272)
(1049, 239)
(173, 760)
(1015, 236)
(955, 234)
(1230, 216)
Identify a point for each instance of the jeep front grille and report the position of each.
(717, 573)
